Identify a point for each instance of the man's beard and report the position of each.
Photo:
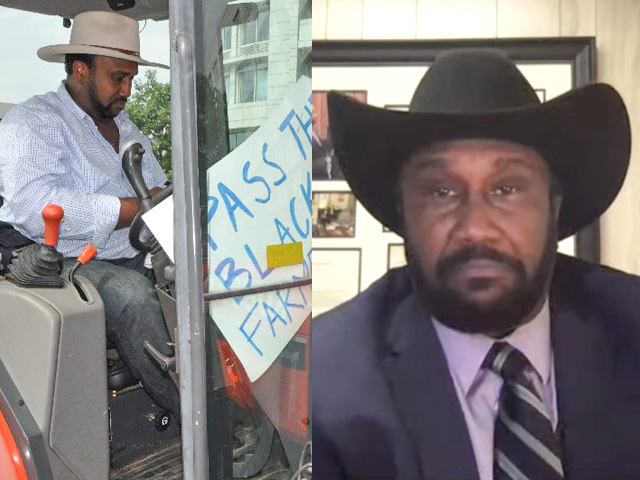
(496, 318)
(104, 112)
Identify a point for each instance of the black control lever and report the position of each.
(132, 152)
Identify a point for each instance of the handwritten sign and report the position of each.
(259, 196)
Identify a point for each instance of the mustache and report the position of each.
(474, 252)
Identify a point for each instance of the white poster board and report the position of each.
(259, 196)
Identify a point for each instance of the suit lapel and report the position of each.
(425, 397)
(598, 423)
(580, 385)
(594, 334)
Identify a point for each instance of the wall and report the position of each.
(614, 23)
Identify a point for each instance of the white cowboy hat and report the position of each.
(100, 33)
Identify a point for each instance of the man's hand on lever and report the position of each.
(129, 207)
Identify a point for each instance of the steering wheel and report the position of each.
(150, 245)
(132, 152)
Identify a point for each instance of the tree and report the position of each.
(150, 109)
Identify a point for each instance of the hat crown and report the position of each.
(472, 81)
(100, 33)
(106, 29)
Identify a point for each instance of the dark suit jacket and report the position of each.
(384, 403)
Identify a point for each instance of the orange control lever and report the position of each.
(52, 215)
(84, 257)
(87, 254)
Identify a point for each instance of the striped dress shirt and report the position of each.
(52, 152)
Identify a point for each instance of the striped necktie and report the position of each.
(525, 446)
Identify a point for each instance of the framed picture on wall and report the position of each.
(397, 108)
(542, 94)
(333, 214)
(396, 256)
(336, 277)
(324, 164)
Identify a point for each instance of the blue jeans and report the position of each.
(133, 315)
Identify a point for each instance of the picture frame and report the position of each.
(324, 164)
(542, 94)
(395, 255)
(337, 276)
(397, 107)
(333, 214)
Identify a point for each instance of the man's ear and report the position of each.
(80, 71)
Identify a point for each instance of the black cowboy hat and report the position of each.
(584, 134)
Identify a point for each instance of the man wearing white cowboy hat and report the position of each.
(489, 355)
(63, 148)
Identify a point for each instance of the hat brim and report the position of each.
(56, 54)
(584, 135)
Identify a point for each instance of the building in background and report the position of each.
(260, 56)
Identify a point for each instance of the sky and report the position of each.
(23, 74)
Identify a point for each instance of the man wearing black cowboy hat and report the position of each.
(489, 356)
